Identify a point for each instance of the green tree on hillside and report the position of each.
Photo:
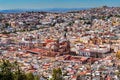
(12, 71)
(5, 70)
(57, 74)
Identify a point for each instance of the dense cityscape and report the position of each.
(84, 44)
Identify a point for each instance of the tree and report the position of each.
(36, 77)
(30, 76)
(19, 75)
(12, 71)
(57, 74)
(6, 72)
(6, 25)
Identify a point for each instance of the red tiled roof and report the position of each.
(49, 40)
(36, 50)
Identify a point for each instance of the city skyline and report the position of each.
(43, 4)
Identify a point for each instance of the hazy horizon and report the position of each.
(45, 4)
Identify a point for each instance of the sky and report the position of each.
(43, 4)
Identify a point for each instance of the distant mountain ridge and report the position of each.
(40, 10)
